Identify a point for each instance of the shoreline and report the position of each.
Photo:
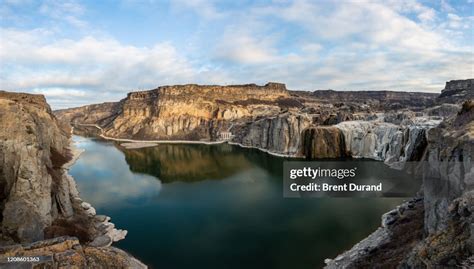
(154, 143)
(281, 155)
(106, 237)
(75, 152)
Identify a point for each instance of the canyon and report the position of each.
(434, 132)
(425, 132)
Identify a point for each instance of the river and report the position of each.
(216, 206)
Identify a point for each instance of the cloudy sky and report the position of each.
(80, 52)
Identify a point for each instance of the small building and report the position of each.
(225, 135)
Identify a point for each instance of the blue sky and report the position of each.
(81, 52)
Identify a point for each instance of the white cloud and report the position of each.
(245, 49)
(32, 60)
(396, 45)
(60, 92)
(392, 51)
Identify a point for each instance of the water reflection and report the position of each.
(187, 163)
(232, 215)
(104, 176)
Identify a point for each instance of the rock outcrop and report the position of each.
(383, 100)
(457, 91)
(267, 117)
(393, 144)
(38, 199)
(401, 229)
(280, 134)
(449, 192)
(101, 114)
(323, 142)
(35, 190)
(190, 112)
(67, 252)
(444, 236)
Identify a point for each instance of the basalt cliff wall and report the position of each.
(256, 116)
(190, 112)
(39, 202)
(457, 91)
(440, 220)
(268, 117)
(394, 139)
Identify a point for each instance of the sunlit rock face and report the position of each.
(101, 114)
(39, 199)
(35, 189)
(267, 117)
(191, 112)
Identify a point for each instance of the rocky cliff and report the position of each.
(394, 144)
(383, 100)
(457, 91)
(268, 117)
(449, 192)
(324, 142)
(35, 188)
(191, 112)
(441, 220)
(281, 134)
(38, 199)
(381, 125)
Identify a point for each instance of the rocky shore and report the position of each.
(42, 213)
(442, 232)
(398, 128)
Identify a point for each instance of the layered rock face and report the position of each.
(35, 189)
(442, 232)
(267, 117)
(449, 191)
(101, 114)
(393, 144)
(384, 100)
(38, 199)
(190, 112)
(457, 91)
